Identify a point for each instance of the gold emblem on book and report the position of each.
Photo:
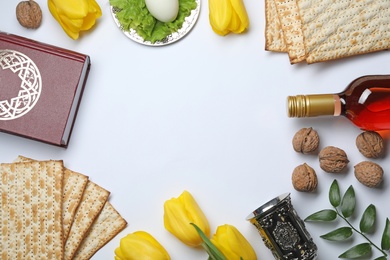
(30, 86)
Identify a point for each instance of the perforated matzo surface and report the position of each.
(31, 207)
(336, 29)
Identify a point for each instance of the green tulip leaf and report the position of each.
(210, 248)
(381, 258)
(334, 194)
(339, 234)
(357, 251)
(322, 215)
(367, 221)
(386, 236)
(348, 202)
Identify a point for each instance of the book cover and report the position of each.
(41, 86)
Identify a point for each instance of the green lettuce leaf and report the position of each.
(133, 14)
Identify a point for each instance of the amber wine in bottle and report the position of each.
(365, 102)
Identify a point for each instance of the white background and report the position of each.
(206, 114)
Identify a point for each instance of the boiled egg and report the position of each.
(163, 10)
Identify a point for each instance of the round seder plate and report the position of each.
(188, 24)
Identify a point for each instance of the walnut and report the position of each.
(370, 144)
(304, 178)
(368, 173)
(333, 159)
(306, 140)
(29, 14)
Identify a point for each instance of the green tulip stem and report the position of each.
(357, 231)
(210, 248)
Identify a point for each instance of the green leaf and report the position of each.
(348, 203)
(357, 251)
(386, 236)
(381, 258)
(322, 215)
(334, 194)
(339, 234)
(210, 248)
(367, 221)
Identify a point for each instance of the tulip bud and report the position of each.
(179, 213)
(75, 15)
(227, 16)
(140, 245)
(232, 243)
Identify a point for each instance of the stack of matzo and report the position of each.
(51, 212)
(321, 30)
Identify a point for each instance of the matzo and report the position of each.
(107, 225)
(274, 38)
(337, 29)
(290, 21)
(74, 184)
(31, 207)
(92, 203)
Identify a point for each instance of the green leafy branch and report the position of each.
(344, 208)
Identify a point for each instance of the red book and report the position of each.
(40, 89)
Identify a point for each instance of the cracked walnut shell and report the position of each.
(368, 173)
(370, 144)
(306, 140)
(29, 14)
(333, 159)
(304, 178)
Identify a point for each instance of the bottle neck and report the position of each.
(314, 105)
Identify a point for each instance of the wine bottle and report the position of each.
(365, 102)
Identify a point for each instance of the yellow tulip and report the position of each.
(140, 245)
(179, 213)
(220, 15)
(75, 15)
(239, 8)
(232, 243)
(227, 16)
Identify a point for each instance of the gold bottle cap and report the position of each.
(311, 105)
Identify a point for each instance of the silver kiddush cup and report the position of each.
(283, 231)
